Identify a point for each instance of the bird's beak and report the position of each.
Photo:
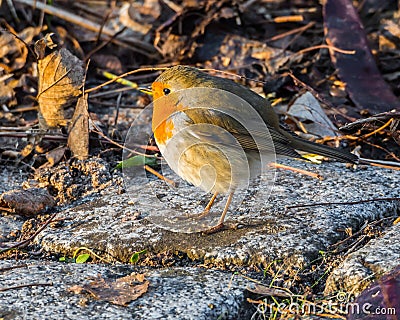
(146, 91)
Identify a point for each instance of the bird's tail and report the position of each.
(312, 147)
(380, 163)
(337, 154)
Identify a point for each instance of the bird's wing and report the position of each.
(262, 138)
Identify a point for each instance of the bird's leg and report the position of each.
(206, 210)
(220, 224)
(208, 206)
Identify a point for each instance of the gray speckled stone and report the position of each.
(9, 224)
(115, 224)
(11, 178)
(360, 268)
(182, 293)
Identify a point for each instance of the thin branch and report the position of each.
(24, 265)
(27, 241)
(160, 176)
(139, 46)
(341, 203)
(305, 172)
(377, 117)
(27, 286)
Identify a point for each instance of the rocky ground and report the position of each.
(314, 252)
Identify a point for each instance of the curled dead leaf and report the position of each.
(119, 292)
(308, 111)
(27, 202)
(54, 156)
(61, 77)
(78, 137)
(13, 47)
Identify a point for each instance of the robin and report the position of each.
(214, 146)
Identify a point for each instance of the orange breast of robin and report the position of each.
(164, 131)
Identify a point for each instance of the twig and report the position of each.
(111, 93)
(100, 133)
(25, 128)
(307, 173)
(26, 286)
(377, 117)
(118, 102)
(377, 130)
(99, 47)
(341, 203)
(24, 265)
(293, 31)
(324, 46)
(298, 82)
(23, 109)
(160, 176)
(359, 231)
(386, 166)
(384, 149)
(285, 19)
(139, 46)
(47, 136)
(27, 241)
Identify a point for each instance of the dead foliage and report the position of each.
(28, 202)
(291, 49)
(119, 292)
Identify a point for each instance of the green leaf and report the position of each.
(82, 258)
(66, 260)
(135, 256)
(137, 161)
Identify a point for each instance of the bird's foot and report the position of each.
(220, 227)
(214, 229)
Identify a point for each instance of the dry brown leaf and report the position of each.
(6, 92)
(15, 48)
(54, 156)
(235, 51)
(76, 289)
(27, 150)
(119, 292)
(307, 110)
(61, 77)
(8, 44)
(173, 45)
(130, 17)
(10, 154)
(27, 202)
(364, 82)
(267, 291)
(78, 138)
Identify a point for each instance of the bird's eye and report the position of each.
(166, 91)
